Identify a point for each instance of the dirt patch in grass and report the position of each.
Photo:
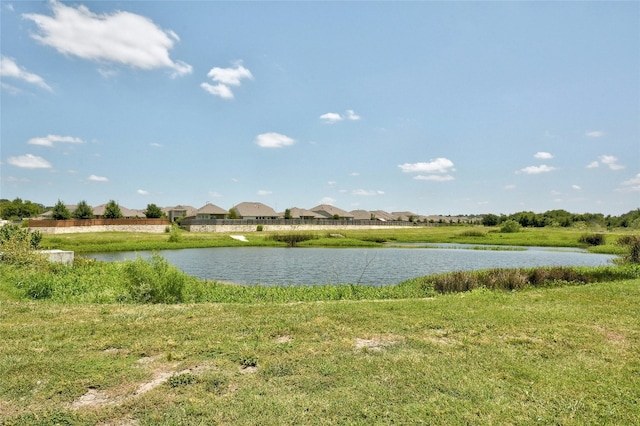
(375, 344)
(96, 398)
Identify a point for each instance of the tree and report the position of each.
(18, 209)
(60, 211)
(233, 214)
(153, 212)
(83, 211)
(287, 214)
(490, 220)
(112, 210)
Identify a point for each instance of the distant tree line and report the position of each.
(563, 218)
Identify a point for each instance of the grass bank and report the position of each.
(545, 237)
(565, 355)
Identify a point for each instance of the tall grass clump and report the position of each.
(519, 278)
(154, 280)
(593, 239)
(292, 239)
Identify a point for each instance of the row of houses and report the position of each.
(260, 211)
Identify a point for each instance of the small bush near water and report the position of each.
(593, 239)
(292, 239)
(154, 281)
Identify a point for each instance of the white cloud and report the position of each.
(331, 117)
(50, 140)
(434, 178)
(334, 117)
(439, 165)
(576, 187)
(214, 194)
(543, 155)
(631, 185)
(367, 193)
(155, 145)
(264, 192)
(509, 187)
(29, 161)
(9, 68)
(594, 134)
(611, 162)
(120, 37)
(534, 170)
(142, 192)
(593, 165)
(351, 115)
(354, 174)
(273, 140)
(94, 178)
(225, 77)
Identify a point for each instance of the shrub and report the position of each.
(154, 281)
(592, 239)
(17, 245)
(631, 243)
(510, 226)
(292, 239)
(259, 228)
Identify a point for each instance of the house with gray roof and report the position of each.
(175, 213)
(328, 211)
(297, 213)
(98, 212)
(211, 211)
(361, 215)
(382, 216)
(255, 210)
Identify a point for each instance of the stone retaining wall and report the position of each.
(154, 229)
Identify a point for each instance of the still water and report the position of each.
(371, 266)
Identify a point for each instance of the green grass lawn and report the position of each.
(565, 355)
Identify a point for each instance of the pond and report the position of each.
(371, 266)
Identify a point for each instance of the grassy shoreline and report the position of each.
(544, 237)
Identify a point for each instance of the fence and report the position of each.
(326, 222)
(50, 223)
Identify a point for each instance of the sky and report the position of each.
(430, 107)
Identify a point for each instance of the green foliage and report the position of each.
(593, 239)
(18, 209)
(293, 238)
(233, 213)
(83, 211)
(112, 210)
(631, 244)
(60, 212)
(154, 212)
(17, 245)
(490, 220)
(10, 231)
(518, 278)
(174, 234)
(287, 214)
(259, 228)
(154, 281)
(510, 226)
(182, 379)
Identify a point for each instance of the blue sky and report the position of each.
(431, 107)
